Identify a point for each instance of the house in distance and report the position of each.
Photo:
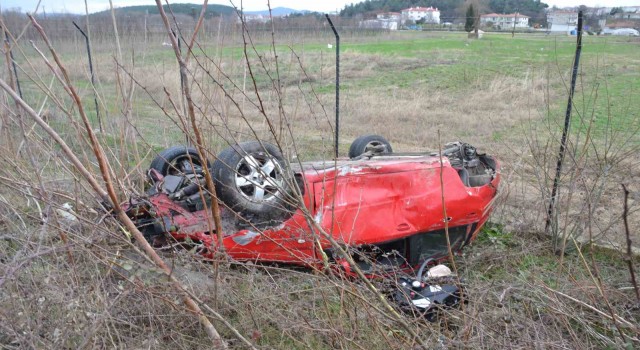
(562, 21)
(505, 21)
(420, 15)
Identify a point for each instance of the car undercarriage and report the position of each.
(390, 211)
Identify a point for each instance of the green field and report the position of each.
(528, 76)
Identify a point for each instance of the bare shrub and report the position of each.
(73, 278)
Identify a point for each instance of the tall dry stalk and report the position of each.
(629, 256)
(110, 192)
(200, 146)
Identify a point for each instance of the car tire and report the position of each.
(177, 160)
(365, 143)
(251, 179)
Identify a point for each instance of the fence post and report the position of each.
(565, 132)
(335, 32)
(95, 97)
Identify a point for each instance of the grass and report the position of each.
(506, 95)
(429, 63)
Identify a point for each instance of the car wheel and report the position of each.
(251, 179)
(374, 143)
(178, 160)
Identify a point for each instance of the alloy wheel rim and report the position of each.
(258, 178)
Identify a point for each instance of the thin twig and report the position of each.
(215, 210)
(629, 257)
(110, 190)
(592, 308)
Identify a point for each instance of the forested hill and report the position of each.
(185, 9)
(450, 10)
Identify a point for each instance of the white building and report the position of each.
(629, 12)
(379, 24)
(253, 18)
(631, 9)
(389, 16)
(599, 11)
(427, 14)
(384, 20)
(562, 21)
(505, 21)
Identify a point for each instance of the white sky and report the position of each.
(77, 6)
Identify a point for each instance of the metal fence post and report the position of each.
(565, 131)
(335, 32)
(95, 97)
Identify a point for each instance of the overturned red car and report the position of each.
(385, 208)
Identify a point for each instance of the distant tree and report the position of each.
(470, 20)
(591, 20)
(616, 10)
(185, 9)
(368, 6)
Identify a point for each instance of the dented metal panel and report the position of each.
(357, 202)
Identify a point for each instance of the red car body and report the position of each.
(390, 204)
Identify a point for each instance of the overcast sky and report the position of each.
(77, 6)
